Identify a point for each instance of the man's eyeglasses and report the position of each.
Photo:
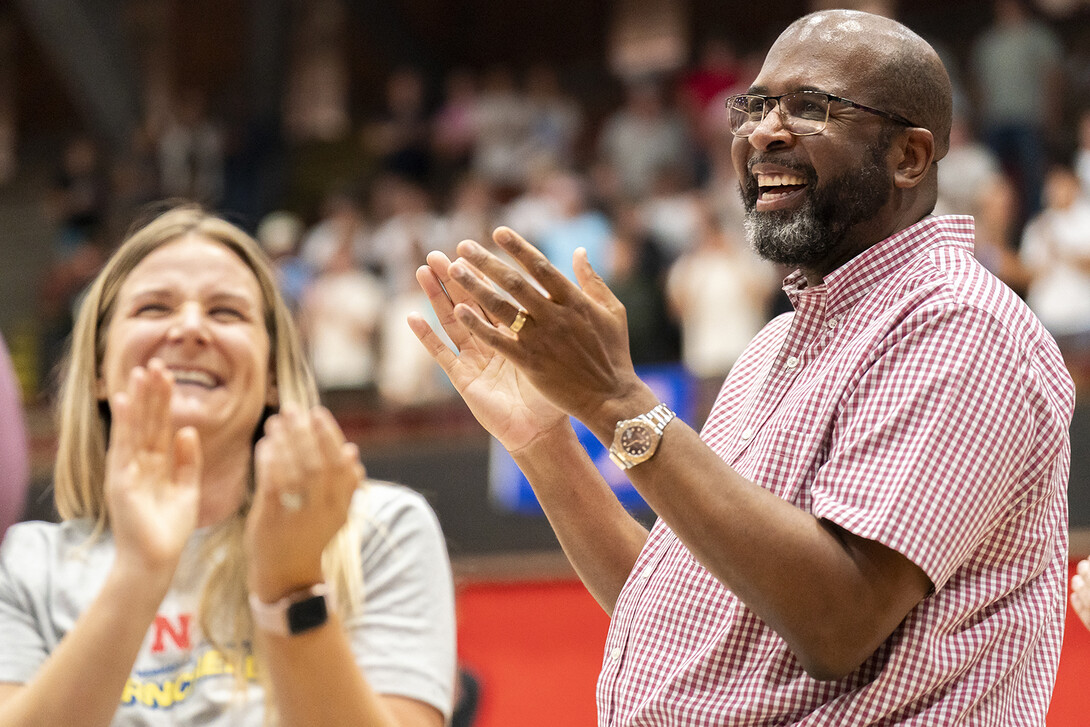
(801, 112)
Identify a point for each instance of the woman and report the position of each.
(190, 576)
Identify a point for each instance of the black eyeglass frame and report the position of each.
(830, 97)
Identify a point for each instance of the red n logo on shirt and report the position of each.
(178, 633)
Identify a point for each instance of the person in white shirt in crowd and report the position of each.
(1056, 250)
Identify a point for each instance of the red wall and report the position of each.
(536, 648)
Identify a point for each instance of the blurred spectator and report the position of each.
(400, 138)
(967, 168)
(556, 120)
(1016, 70)
(407, 376)
(279, 234)
(341, 221)
(577, 226)
(1056, 250)
(721, 190)
(14, 461)
(191, 151)
(635, 274)
(716, 73)
(453, 131)
(77, 204)
(535, 209)
(318, 82)
(718, 292)
(994, 210)
(642, 137)
(339, 319)
(471, 214)
(134, 181)
(672, 212)
(78, 199)
(401, 241)
(1082, 155)
(503, 124)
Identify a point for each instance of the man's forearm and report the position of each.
(599, 537)
(834, 597)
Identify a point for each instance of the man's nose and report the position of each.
(770, 130)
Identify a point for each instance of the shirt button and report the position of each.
(791, 362)
(615, 655)
(747, 434)
(645, 573)
(832, 322)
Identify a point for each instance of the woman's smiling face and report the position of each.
(194, 304)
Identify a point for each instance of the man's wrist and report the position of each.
(613, 411)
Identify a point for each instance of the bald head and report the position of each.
(896, 70)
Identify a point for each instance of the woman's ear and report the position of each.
(917, 152)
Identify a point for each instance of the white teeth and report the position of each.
(778, 180)
(190, 376)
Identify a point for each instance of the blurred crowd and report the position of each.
(646, 186)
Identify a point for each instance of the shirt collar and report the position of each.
(848, 283)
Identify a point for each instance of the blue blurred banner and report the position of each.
(511, 492)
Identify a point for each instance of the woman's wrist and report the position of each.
(270, 588)
(139, 584)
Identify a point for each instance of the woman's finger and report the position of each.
(121, 445)
(159, 386)
(443, 305)
(188, 459)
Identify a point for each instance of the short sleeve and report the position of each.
(24, 644)
(404, 640)
(938, 441)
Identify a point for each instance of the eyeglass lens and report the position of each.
(800, 113)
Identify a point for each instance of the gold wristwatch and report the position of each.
(635, 440)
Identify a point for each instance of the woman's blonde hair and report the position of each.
(83, 422)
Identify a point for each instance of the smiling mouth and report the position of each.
(771, 187)
(195, 377)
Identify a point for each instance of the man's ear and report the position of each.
(917, 152)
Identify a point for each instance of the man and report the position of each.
(871, 527)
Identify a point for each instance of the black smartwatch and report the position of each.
(293, 614)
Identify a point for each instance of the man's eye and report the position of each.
(806, 109)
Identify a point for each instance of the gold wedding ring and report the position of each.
(291, 501)
(520, 321)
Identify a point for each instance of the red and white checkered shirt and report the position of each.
(914, 400)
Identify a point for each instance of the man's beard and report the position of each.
(809, 234)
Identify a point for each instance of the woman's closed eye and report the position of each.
(227, 313)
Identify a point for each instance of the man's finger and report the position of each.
(534, 262)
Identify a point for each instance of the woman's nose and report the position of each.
(189, 322)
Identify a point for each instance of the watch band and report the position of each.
(628, 452)
(661, 415)
(293, 614)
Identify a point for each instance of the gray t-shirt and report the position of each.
(403, 639)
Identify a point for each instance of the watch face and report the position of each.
(307, 614)
(637, 439)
